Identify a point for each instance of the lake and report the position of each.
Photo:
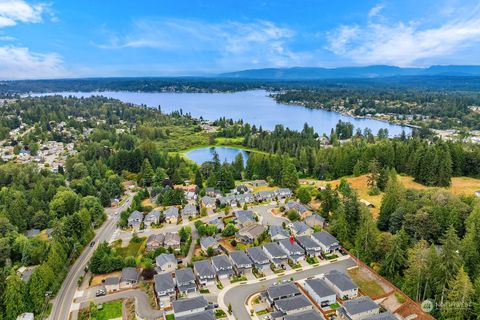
(224, 154)
(254, 107)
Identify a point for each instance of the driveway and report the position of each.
(237, 295)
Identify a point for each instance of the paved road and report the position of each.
(237, 295)
(266, 218)
(142, 304)
(64, 299)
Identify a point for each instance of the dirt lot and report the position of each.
(97, 280)
(226, 244)
(369, 283)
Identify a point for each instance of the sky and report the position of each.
(102, 38)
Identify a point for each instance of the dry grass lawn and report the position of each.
(367, 282)
(97, 279)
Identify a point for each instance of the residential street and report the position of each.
(236, 295)
(266, 218)
(63, 301)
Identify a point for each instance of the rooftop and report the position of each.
(325, 238)
(307, 315)
(360, 305)
(204, 268)
(320, 287)
(183, 305)
(282, 290)
(164, 282)
(184, 275)
(293, 303)
(340, 280)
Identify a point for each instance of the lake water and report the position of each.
(254, 107)
(224, 154)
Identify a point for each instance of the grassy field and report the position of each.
(133, 249)
(460, 185)
(110, 310)
(367, 285)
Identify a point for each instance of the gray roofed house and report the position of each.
(228, 201)
(164, 285)
(190, 210)
(204, 315)
(218, 222)
(208, 202)
(277, 233)
(315, 220)
(184, 307)
(249, 233)
(166, 262)
(240, 189)
(359, 308)
(259, 257)
(284, 193)
(32, 233)
(320, 292)
(245, 198)
(135, 220)
(241, 261)
(328, 242)
(129, 277)
(245, 217)
(223, 267)
(153, 217)
(299, 228)
(112, 284)
(341, 284)
(277, 255)
(185, 280)
(312, 248)
(297, 206)
(293, 305)
(293, 250)
(155, 241)
(306, 315)
(266, 195)
(208, 242)
(205, 272)
(382, 316)
(171, 215)
(282, 291)
(172, 240)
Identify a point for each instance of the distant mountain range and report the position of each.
(376, 71)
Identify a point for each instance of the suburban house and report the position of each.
(320, 292)
(293, 250)
(135, 219)
(341, 284)
(208, 202)
(209, 242)
(211, 192)
(259, 183)
(277, 233)
(293, 305)
(185, 307)
(164, 286)
(266, 195)
(185, 280)
(204, 315)
(284, 193)
(223, 267)
(112, 284)
(299, 228)
(245, 218)
(315, 221)
(241, 261)
(241, 189)
(129, 277)
(218, 222)
(153, 217)
(245, 198)
(297, 206)
(311, 247)
(358, 309)
(189, 211)
(228, 201)
(259, 258)
(172, 240)
(382, 316)
(166, 262)
(281, 291)
(276, 254)
(306, 315)
(171, 215)
(204, 272)
(154, 241)
(249, 233)
(328, 242)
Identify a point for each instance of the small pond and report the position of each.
(224, 154)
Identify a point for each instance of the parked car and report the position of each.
(92, 244)
(100, 292)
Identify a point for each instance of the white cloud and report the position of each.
(375, 11)
(405, 43)
(15, 11)
(21, 63)
(232, 44)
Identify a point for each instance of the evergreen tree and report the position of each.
(450, 260)
(458, 297)
(394, 194)
(147, 173)
(237, 166)
(366, 237)
(414, 280)
(470, 247)
(198, 179)
(289, 175)
(395, 259)
(14, 297)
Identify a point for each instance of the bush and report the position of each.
(373, 191)
(293, 215)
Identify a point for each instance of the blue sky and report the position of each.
(84, 38)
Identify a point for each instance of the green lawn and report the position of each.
(335, 306)
(133, 249)
(169, 317)
(110, 310)
(237, 279)
(219, 313)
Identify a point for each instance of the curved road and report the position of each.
(238, 294)
(64, 298)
